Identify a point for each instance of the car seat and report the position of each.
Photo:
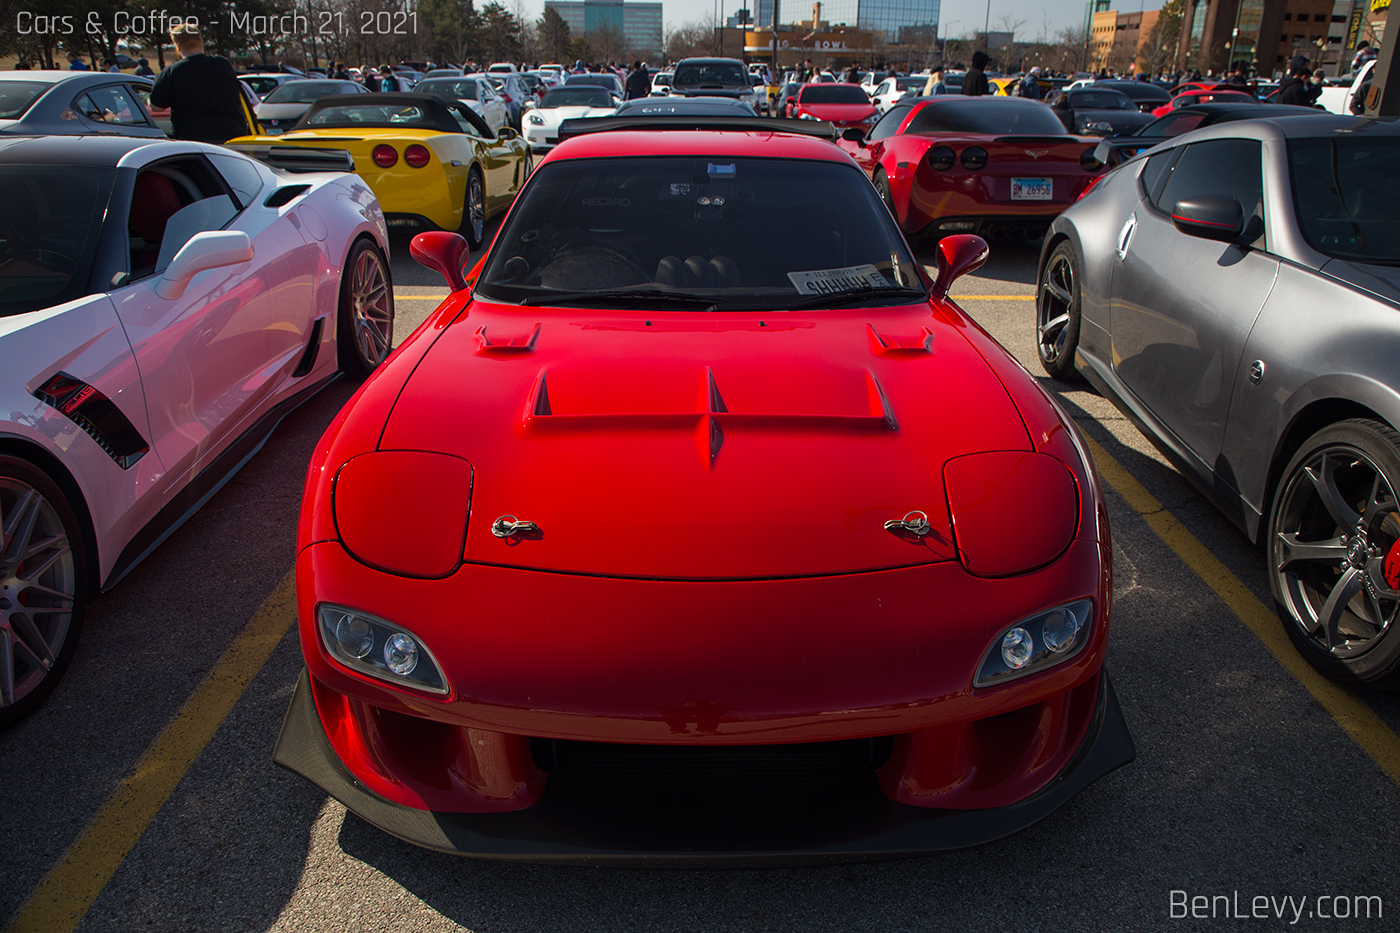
(153, 202)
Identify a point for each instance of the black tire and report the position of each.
(473, 227)
(1334, 521)
(43, 586)
(1057, 313)
(882, 185)
(365, 320)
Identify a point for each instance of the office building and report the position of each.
(639, 23)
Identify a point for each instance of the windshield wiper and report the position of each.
(836, 299)
(650, 297)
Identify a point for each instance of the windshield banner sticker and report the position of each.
(833, 281)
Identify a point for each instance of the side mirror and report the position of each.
(507, 133)
(854, 134)
(957, 256)
(1210, 216)
(445, 253)
(210, 249)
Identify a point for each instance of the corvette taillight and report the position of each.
(941, 158)
(1089, 162)
(974, 158)
(385, 156)
(417, 156)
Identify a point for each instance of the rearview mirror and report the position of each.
(210, 249)
(957, 256)
(1210, 216)
(854, 134)
(507, 133)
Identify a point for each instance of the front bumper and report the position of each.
(579, 829)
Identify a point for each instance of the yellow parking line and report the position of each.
(63, 898)
(1357, 719)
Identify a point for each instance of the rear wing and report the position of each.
(1114, 152)
(300, 158)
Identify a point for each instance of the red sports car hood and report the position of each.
(705, 445)
(839, 113)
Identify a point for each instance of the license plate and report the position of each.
(1031, 189)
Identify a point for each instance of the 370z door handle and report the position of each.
(1125, 236)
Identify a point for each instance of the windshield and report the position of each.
(447, 87)
(603, 81)
(1100, 100)
(710, 74)
(585, 96)
(833, 94)
(371, 114)
(1139, 90)
(991, 115)
(1348, 196)
(49, 221)
(301, 92)
(695, 233)
(261, 86)
(16, 96)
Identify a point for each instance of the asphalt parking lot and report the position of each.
(1256, 783)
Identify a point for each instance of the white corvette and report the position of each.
(565, 103)
(162, 306)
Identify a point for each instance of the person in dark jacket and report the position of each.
(975, 81)
(143, 69)
(638, 83)
(202, 92)
(1294, 88)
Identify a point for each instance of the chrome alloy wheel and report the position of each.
(372, 309)
(38, 588)
(1336, 522)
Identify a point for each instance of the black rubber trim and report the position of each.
(586, 831)
(209, 481)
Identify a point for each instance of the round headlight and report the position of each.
(1059, 629)
(401, 653)
(354, 636)
(1016, 648)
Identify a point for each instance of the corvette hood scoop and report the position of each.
(704, 446)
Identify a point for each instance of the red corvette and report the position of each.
(837, 104)
(1217, 95)
(657, 540)
(1000, 166)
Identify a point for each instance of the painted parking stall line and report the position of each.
(1357, 719)
(69, 889)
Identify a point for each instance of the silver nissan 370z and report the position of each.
(1236, 293)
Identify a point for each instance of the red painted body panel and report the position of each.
(836, 114)
(712, 565)
(1202, 96)
(708, 663)
(923, 194)
(741, 445)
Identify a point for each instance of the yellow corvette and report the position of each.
(427, 159)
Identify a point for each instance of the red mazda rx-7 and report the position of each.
(659, 541)
(998, 166)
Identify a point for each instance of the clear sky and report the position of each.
(1041, 18)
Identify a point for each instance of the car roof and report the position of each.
(79, 78)
(762, 143)
(103, 150)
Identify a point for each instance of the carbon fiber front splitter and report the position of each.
(565, 828)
